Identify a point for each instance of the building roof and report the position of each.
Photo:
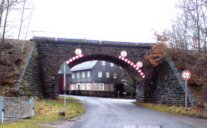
(84, 66)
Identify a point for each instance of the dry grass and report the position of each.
(191, 111)
(46, 111)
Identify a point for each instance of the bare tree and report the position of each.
(10, 6)
(190, 28)
(6, 4)
(1, 10)
(5, 21)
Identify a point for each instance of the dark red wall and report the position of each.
(61, 83)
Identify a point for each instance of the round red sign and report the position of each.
(78, 51)
(186, 75)
(123, 53)
(139, 64)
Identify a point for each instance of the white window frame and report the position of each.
(77, 86)
(78, 75)
(72, 87)
(101, 88)
(111, 64)
(99, 74)
(115, 75)
(89, 74)
(107, 74)
(83, 75)
(83, 87)
(103, 62)
(88, 86)
(73, 75)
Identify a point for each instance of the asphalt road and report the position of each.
(121, 113)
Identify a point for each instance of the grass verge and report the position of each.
(46, 111)
(192, 111)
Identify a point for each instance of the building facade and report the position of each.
(95, 76)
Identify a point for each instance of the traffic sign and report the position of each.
(186, 75)
(139, 64)
(123, 53)
(78, 51)
(67, 69)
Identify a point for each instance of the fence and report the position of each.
(15, 107)
(111, 94)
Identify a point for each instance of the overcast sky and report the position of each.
(124, 20)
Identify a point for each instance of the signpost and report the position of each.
(64, 70)
(186, 75)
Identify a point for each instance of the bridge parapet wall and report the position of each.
(95, 42)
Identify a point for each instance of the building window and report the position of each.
(111, 64)
(73, 75)
(112, 87)
(78, 75)
(83, 86)
(101, 86)
(99, 73)
(107, 74)
(72, 87)
(88, 86)
(77, 86)
(115, 75)
(89, 74)
(103, 62)
(83, 74)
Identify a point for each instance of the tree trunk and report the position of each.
(5, 21)
(1, 10)
(20, 28)
(198, 28)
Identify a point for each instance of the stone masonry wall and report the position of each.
(140, 91)
(181, 81)
(166, 87)
(31, 82)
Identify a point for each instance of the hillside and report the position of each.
(196, 63)
(12, 60)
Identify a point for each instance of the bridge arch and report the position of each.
(52, 53)
(128, 68)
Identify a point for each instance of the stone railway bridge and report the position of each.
(162, 84)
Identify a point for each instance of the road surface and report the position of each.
(122, 113)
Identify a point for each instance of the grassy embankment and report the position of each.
(46, 111)
(191, 111)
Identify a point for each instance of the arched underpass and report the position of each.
(161, 84)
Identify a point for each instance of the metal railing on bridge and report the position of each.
(15, 107)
